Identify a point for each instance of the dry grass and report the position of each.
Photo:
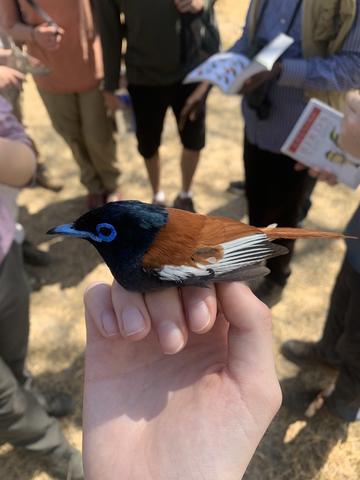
(322, 449)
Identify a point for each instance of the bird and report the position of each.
(149, 247)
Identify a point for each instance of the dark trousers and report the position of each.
(340, 342)
(276, 193)
(23, 421)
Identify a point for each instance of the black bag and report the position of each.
(199, 37)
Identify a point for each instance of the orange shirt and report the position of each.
(77, 65)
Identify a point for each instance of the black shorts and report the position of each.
(150, 104)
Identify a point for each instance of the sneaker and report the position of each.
(184, 204)
(159, 203)
(236, 187)
(113, 197)
(269, 292)
(45, 180)
(34, 256)
(65, 463)
(304, 353)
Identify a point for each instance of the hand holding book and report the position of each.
(324, 140)
(260, 78)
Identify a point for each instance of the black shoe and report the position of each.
(344, 410)
(236, 187)
(45, 180)
(269, 292)
(34, 256)
(56, 404)
(184, 204)
(305, 353)
(65, 462)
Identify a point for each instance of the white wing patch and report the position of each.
(238, 253)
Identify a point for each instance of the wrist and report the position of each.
(33, 34)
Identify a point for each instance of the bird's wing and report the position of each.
(237, 254)
(205, 247)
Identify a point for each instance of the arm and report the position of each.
(339, 72)
(242, 45)
(17, 163)
(17, 158)
(350, 132)
(46, 36)
(112, 35)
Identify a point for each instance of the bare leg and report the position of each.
(153, 168)
(189, 163)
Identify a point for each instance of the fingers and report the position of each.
(300, 167)
(183, 5)
(99, 313)
(200, 307)
(168, 319)
(353, 102)
(132, 316)
(250, 339)
(117, 312)
(324, 176)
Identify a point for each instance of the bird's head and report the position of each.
(118, 230)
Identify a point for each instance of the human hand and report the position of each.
(350, 132)
(10, 77)
(320, 174)
(47, 36)
(259, 79)
(113, 102)
(197, 414)
(193, 102)
(5, 54)
(189, 6)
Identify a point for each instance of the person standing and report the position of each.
(339, 345)
(26, 416)
(70, 48)
(164, 41)
(323, 62)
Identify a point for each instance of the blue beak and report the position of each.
(68, 229)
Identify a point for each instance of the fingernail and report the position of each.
(171, 338)
(133, 321)
(109, 323)
(200, 317)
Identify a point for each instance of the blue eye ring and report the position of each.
(110, 236)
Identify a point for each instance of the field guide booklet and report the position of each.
(314, 141)
(229, 71)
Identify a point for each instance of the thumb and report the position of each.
(249, 339)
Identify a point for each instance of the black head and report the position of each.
(120, 231)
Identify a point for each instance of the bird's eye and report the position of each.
(106, 232)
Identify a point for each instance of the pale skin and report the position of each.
(10, 77)
(46, 36)
(197, 414)
(350, 133)
(17, 163)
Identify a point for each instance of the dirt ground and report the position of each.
(320, 449)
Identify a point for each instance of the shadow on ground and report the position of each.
(72, 260)
(294, 446)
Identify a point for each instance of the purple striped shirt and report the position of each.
(11, 129)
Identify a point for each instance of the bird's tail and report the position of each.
(275, 233)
